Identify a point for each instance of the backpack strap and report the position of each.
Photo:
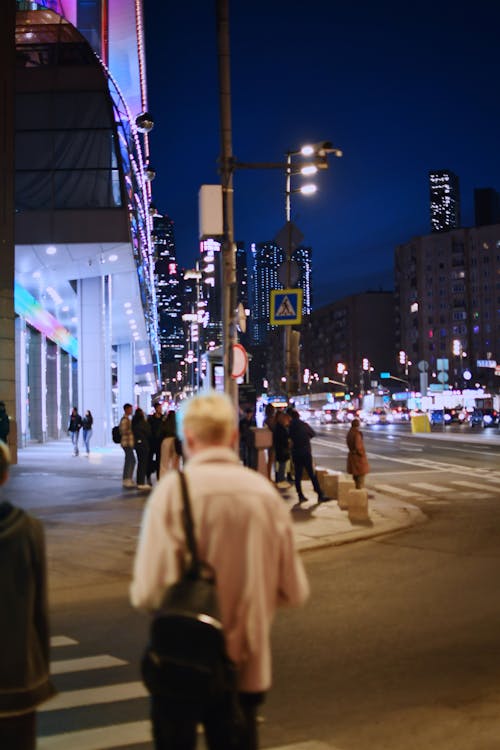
(187, 521)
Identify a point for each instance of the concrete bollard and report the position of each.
(357, 505)
(321, 474)
(344, 485)
(329, 485)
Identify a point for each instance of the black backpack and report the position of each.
(115, 434)
(186, 657)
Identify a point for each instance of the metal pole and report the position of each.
(226, 161)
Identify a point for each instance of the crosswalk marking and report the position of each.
(100, 738)
(62, 640)
(98, 695)
(390, 489)
(475, 486)
(63, 666)
(429, 487)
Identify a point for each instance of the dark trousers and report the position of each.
(303, 461)
(142, 452)
(18, 732)
(174, 728)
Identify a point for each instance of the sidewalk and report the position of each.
(92, 523)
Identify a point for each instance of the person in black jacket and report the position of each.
(24, 628)
(281, 443)
(87, 422)
(142, 437)
(74, 427)
(300, 435)
(4, 422)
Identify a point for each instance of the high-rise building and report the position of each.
(168, 292)
(486, 207)
(447, 293)
(267, 260)
(444, 193)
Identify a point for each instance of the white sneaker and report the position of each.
(128, 483)
(143, 487)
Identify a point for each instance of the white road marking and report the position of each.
(104, 661)
(393, 490)
(132, 733)
(101, 738)
(98, 695)
(429, 487)
(62, 640)
(475, 486)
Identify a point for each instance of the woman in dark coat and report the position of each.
(142, 437)
(24, 629)
(281, 444)
(357, 462)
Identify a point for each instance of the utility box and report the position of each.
(210, 211)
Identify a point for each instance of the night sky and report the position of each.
(401, 88)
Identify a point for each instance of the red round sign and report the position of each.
(240, 361)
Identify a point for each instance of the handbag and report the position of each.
(186, 658)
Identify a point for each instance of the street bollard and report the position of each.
(263, 439)
(329, 484)
(357, 505)
(345, 484)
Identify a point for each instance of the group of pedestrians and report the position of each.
(291, 451)
(151, 442)
(77, 423)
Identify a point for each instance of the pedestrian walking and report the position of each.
(281, 444)
(300, 436)
(4, 422)
(243, 531)
(24, 628)
(357, 462)
(141, 430)
(87, 422)
(169, 448)
(270, 423)
(74, 427)
(157, 423)
(248, 454)
(127, 443)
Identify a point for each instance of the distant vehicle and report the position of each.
(483, 418)
(378, 416)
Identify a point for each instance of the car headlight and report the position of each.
(488, 418)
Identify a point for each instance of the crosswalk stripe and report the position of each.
(475, 486)
(93, 696)
(124, 735)
(100, 738)
(390, 489)
(104, 661)
(429, 487)
(62, 640)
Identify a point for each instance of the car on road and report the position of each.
(483, 418)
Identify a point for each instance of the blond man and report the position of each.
(243, 530)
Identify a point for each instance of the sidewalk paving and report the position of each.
(92, 523)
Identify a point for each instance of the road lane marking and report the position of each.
(61, 640)
(94, 696)
(100, 738)
(429, 487)
(475, 486)
(133, 733)
(104, 661)
(393, 490)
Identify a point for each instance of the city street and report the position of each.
(398, 647)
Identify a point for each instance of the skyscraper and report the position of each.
(168, 291)
(444, 191)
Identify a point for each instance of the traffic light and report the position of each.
(402, 357)
(366, 364)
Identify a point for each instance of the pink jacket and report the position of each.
(243, 529)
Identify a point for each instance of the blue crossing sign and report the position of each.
(286, 307)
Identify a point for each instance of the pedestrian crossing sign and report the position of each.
(286, 307)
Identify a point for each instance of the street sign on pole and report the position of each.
(286, 307)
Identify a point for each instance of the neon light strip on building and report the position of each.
(32, 311)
